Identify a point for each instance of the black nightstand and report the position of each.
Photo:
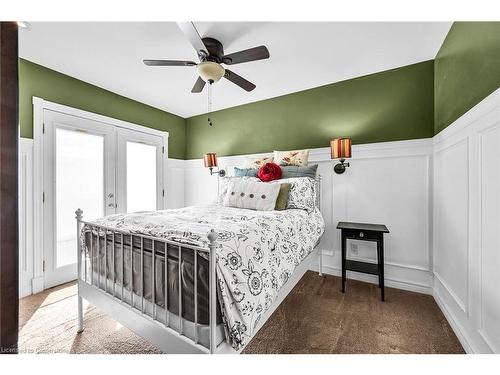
(363, 232)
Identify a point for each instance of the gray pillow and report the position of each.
(292, 171)
(245, 172)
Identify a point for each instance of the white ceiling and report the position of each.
(303, 55)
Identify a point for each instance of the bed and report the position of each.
(227, 269)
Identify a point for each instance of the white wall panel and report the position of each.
(174, 188)
(466, 225)
(392, 191)
(451, 218)
(489, 272)
(200, 187)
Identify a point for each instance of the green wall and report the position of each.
(467, 69)
(36, 80)
(388, 106)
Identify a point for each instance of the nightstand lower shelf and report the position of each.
(353, 265)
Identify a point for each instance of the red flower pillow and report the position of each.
(269, 172)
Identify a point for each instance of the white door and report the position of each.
(98, 167)
(139, 171)
(79, 167)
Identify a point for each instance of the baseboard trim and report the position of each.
(454, 323)
(390, 282)
(455, 298)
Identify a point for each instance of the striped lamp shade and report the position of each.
(210, 160)
(340, 148)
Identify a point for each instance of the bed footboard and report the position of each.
(137, 311)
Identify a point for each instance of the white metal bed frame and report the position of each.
(161, 334)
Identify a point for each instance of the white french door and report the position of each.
(78, 173)
(98, 167)
(139, 172)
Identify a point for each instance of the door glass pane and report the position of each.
(79, 184)
(141, 177)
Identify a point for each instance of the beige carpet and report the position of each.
(317, 318)
(48, 324)
(314, 318)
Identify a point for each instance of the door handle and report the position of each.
(111, 205)
(111, 195)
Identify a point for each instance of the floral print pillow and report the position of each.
(257, 163)
(302, 194)
(294, 157)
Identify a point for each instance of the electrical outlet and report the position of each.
(354, 248)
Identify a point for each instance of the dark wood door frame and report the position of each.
(9, 138)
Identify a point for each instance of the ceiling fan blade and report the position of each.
(194, 38)
(168, 63)
(198, 85)
(251, 54)
(238, 80)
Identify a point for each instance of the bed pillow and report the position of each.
(251, 194)
(224, 182)
(302, 194)
(269, 172)
(252, 162)
(294, 157)
(291, 171)
(288, 171)
(245, 172)
(282, 199)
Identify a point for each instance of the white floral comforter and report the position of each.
(257, 253)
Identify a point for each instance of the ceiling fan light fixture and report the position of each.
(210, 71)
(211, 54)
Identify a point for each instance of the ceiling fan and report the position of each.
(211, 54)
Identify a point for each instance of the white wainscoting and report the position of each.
(466, 225)
(175, 183)
(387, 183)
(25, 217)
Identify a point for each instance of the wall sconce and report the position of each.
(340, 149)
(210, 160)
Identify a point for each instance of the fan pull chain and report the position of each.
(209, 101)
